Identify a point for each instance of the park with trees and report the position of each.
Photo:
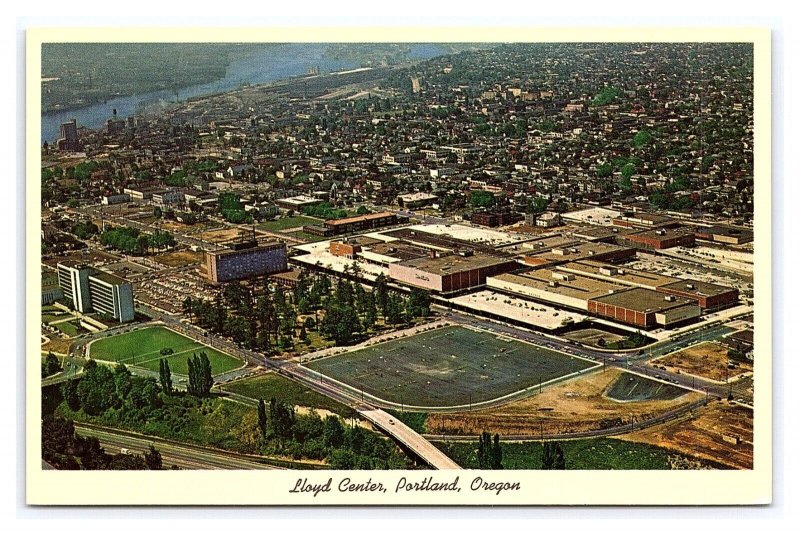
(319, 311)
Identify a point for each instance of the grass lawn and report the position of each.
(415, 420)
(142, 348)
(67, 328)
(447, 367)
(289, 222)
(47, 317)
(589, 454)
(272, 385)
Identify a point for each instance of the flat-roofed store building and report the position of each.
(727, 235)
(598, 251)
(618, 274)
(91, 290)
(360, 223)
(244, 260)
(450, 273)
(553, 287)
(115, 199)
(298, 203)
(662, 238)
(709, 296)
(166, 197)
(645, 308)
(495, 219)
(416, 200)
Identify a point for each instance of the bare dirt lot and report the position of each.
(578, 405)
(708, 360)
(218, 235)
(179, 258)
(57, 345)
(704, 436)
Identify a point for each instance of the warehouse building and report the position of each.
(243, 260)
(450, 273)
(645, 308)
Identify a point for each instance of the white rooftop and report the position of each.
(471, 234)
(502, 305)
(593, 216)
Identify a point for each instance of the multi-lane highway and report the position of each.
(182, 455)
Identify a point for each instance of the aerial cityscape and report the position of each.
(397, 256)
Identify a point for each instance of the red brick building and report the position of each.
(662, 238)
(708, 296)
(644, 308)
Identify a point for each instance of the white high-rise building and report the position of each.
(91, 290)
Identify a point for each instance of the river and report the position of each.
(267, 65)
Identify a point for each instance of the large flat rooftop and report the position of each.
(573, 252)
(107, 277)
(445, 265)
(661, 233)
(594, 216)
(550, 281)
(698, 288)
(643, 300)
(357, 219)
(517, 309)
(620, 274)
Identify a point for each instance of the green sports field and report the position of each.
(447, 367)
(142, 348)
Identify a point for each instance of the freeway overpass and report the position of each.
(410, 439)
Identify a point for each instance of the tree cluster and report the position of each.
(130, 240)
(311, 437)
(232, 209)
(481, 199)
(101, 388)
(165, 376)
(200, 376)
(324, 211)
(553, 456)
(490, 452)
(64, 449)
(84, 229)
(51, 365)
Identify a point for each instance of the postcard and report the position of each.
(370, 266)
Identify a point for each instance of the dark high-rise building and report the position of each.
(69, 136)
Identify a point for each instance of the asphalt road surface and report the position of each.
(185, 456)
